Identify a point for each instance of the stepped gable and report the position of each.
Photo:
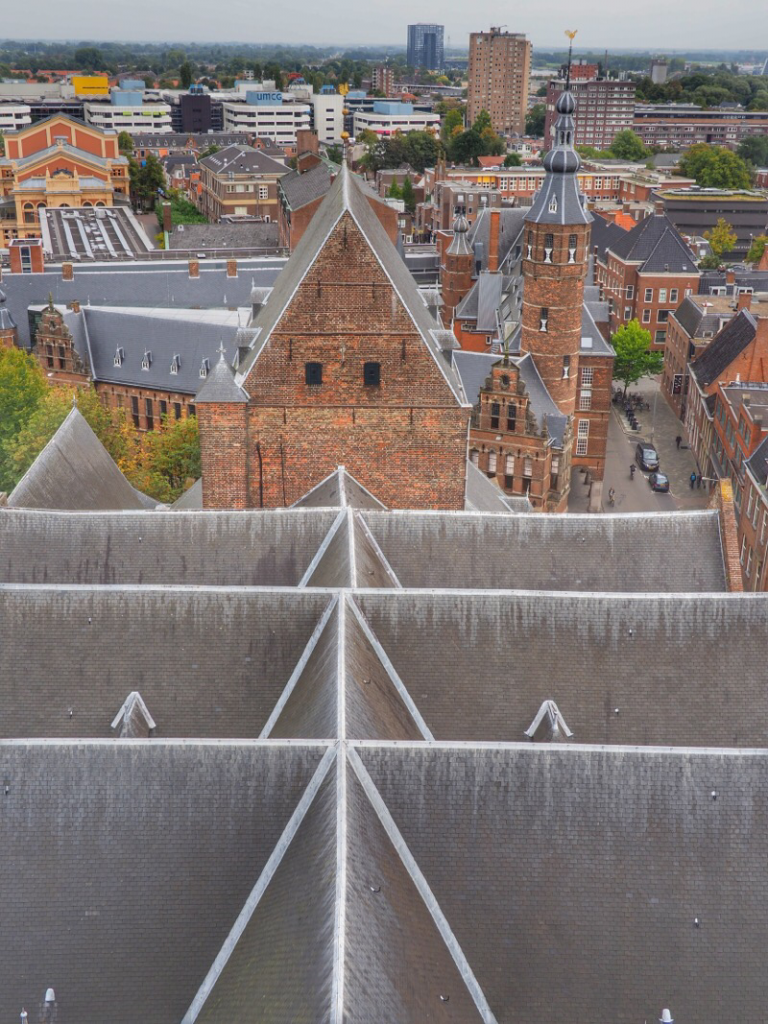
(278, 960)
(479, 666)
(681, 553)
(122, 845)
(74, 471)
(584, 882)
(347, 200)
(85, 649)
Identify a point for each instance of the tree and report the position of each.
(634, 358)
(89, 58)
(213, 148)
(393, 192)
(627, 145)
(452, 122)
(186, 72)
(125, 142)
(113, 430)
(482, 121)
(146, 180)
(421, 150)
(513, 160)
(715, 167)
(168, 460)
(721, 238)
(754, 150)
(22, 386)
(408, 195)
(535, 120)
(757, 248)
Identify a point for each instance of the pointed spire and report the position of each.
(459, 243)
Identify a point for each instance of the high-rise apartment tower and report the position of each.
(499, 69)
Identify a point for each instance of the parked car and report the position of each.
(647, 457)
(659, 482)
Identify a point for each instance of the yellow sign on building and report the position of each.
(90, 85)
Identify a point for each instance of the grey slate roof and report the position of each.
(510, 228)
(220, 385)
(656, 244)
(758, 462)
(149, 284)
(542, 405)
(348, 197)
(239, 159)
(726, 346)
(300, 189)
(247, 235)
(339, 811)
(605, 235)
(484, 495)
(74, 471)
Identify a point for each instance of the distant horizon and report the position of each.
(388, 45)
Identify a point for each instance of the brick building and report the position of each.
(692, 326)
(645, 274)
(59, 162)
(347, 368)
(300, 194)
(604, 107)
(681, 125)
(240, 181)
(753, 521)
(497, 76)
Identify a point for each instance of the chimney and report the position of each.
(167, 218)
(67, 272)
(75, 305)
(658, 207)
(730, 276)
(194, 268)
(744, 300)
(231, 268)
(493, 242)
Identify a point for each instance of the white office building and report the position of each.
(328, 116)
(14, 116)
(267, 115)
(389, 118)
(142, 118)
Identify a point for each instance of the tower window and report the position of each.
(566, 367)
(529, 246)
(495, 413)
(511, 417)
(544, 318)
(314, 373)
(549, 244)
(372, 374)
(572, 245)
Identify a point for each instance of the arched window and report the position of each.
(29, 213)
(491, 463)
(87, 204)
(101, 204)
(474, 456)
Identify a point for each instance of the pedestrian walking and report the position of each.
(693, 480)
(678, 439)
(698, 481)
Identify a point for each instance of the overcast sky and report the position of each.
(654, 24)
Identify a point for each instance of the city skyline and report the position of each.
(688, 26)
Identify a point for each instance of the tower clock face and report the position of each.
(504, 381)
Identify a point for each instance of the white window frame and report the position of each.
(582, 437)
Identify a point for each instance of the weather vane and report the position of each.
(571, 34)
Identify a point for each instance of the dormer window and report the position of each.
(544, 318)
(549, 245)
(553, 204)
(175, 364)
(146, 361)
(573, 242)
(119, 357)
(204, 368)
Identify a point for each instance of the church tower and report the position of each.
(556, 243)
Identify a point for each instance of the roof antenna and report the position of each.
(570, 33)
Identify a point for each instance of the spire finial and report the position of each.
(74, 399)
(221, 351)
(571, 34)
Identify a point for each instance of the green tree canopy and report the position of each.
(408, 195)
(715, 167)
(146, 180)
(634, 357)
(754, 150)
(535, 120)
(125, 142)
(757, 249)
(452, 122)
(393, 192)
(22, 386)
(721, 237)
(89, 58)
(168, 460)
(186, 74)
(482, 121)
(627, 145)
(512, 160)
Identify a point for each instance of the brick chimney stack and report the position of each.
(493, 241)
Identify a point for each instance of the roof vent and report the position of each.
(549, 725)
(666, 1017)
(133, 720)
